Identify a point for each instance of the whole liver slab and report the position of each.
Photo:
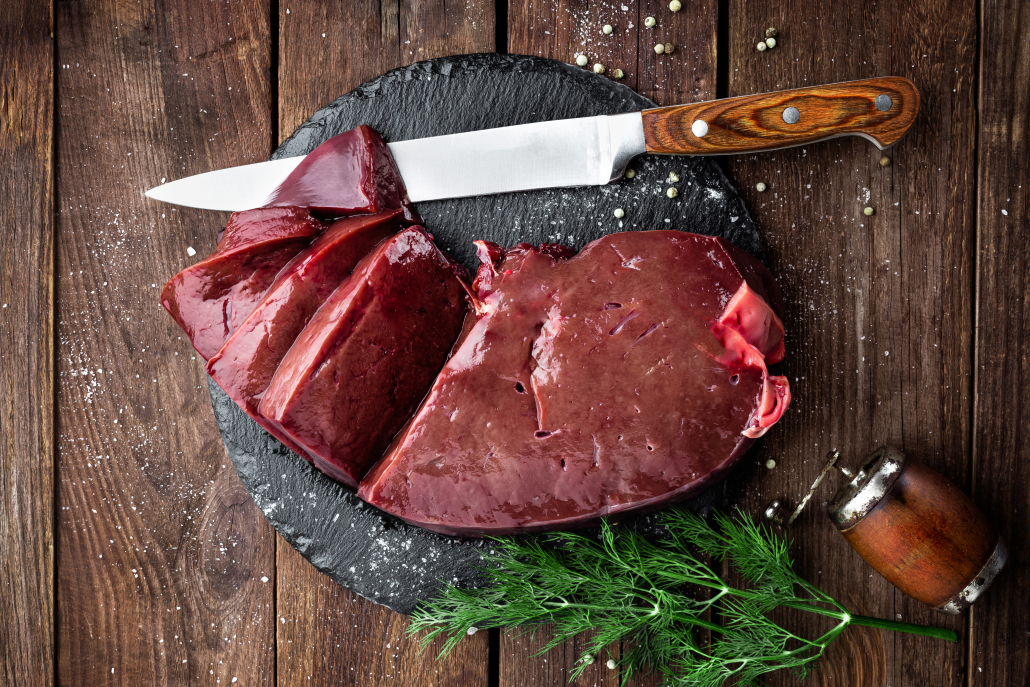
(628, 376)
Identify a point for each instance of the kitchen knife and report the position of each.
(593, 151)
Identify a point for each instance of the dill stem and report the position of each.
(897, 626)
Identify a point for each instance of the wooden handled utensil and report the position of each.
(593, 151)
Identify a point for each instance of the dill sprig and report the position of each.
(660, 597)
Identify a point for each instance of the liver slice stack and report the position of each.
(244, 365)
(359, 369)
(631, 375)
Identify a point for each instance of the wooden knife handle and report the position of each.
(881, 110)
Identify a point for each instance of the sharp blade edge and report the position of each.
(571, 152)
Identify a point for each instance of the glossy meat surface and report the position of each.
(628, 376)
(351, 173)
(210, 299)
(367, 357)
(244, 366)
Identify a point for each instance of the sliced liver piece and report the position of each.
(245, 364)
(626, 377)
(351, 173)
(210, 299)
(367, 357)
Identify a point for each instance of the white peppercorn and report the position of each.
(672, 192)
(612, 665)
(582, 60)
(675, 5)
(607, 29)
(673, 177)
(771, 42)
(630, 173)
(770, 464)
(649, 22)
(760, 187)
(618, 74)
(598, 68)
(619, 213)
(885, 161)
(761, 46)
(660, 48)
(868, 212)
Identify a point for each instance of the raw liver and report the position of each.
(631, 375)
(351, 173)
(366, 359)
(210, 299)
(245, 364)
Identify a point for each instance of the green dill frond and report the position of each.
(672, 614)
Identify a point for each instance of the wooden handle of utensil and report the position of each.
(881, 110)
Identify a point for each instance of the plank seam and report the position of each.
(977, 55)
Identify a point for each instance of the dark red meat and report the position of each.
(628, 376)
(212, 298)
(352, 173)
(365, 360)
(245, 364)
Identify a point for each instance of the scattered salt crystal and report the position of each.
(264, 579)
(190, 251)
(1005, 212)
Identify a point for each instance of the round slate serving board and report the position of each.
(368, 551)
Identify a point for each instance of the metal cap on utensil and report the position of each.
(858, 496)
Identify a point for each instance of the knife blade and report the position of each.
(594, 150)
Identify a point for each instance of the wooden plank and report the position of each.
(568, 28)
(562, 30)
(879, 309)
(328, 634)
(999, 654)
(26, 344)
(165, 566)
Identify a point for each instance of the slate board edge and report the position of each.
(381, 577)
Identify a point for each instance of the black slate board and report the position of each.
(372, 553)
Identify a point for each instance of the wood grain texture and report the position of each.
(565, 29)
(999, 653)
(753, 123)
(327, 634)
(326, 49)
(165, 565)
(878, 309)
(26, 344)
(561, 30)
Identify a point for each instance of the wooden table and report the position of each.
(130, 553)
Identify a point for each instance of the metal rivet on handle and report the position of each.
(791, 115)
(699, 128)
(884, 102)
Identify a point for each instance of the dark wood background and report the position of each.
(130, 553)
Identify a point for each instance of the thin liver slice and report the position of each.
(210, 299)
(245, 364)
(367, 357)
(615, 380)
(351, 173)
